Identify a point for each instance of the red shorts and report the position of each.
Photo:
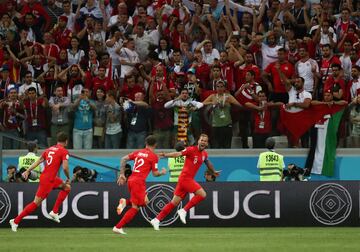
(137, 191)
(185, 186)
(46, 186)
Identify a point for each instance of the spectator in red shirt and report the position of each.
(335, 83)
(162, 120)
(244, 68)
(261, 119)
(12, 116)
(101, 81)
(159, 82)
(41, 16)
(271, 77)
(62, 34)
(36, 117)
(130, 88)
(293, 55)
(202, 69)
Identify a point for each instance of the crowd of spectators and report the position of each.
(112, 72)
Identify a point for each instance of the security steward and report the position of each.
(30, 158)
(270, 163)
(176, 164)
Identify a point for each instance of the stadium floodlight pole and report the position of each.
(1, 156)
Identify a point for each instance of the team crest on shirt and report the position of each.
(195, 159)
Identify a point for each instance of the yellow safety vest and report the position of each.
(271, 166)
(26, 161)
(175, 167)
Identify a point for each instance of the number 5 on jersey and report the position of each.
(49, 158)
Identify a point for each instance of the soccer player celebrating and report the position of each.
(145, 160)
(54, 157)
(195, 156)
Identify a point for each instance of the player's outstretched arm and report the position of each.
(171, 154)
(26, 173)
(66, 170)
(210, 166)
(122, 179)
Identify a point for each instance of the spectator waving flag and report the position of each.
(322, 154)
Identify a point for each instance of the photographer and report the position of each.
(82, 174)
(294, 173)
(11, 171)
(209, 176)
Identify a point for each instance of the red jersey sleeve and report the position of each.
(132, 155)
(43, 155)
(65, 155)
(187, 151)
(154, 163)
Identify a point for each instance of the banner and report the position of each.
(261, 204)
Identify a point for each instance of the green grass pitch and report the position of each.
(181, 239)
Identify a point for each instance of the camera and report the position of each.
(295, 173)
(83, 174)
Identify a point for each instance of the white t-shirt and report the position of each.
(354, 87)
(142, 45)
(114, 20)
(346, 64)
(304, 70)
(130, 57)
(112, 51)
(24, 87)
(75, 58)
(71, 21)
(210, 57)
(294, 96)
(269, 54)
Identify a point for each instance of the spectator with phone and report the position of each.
(83, 122)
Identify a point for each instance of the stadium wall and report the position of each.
(230, 204)
(236, 164)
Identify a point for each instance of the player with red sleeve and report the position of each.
(145, 160)
(195, 156)
(53, 158)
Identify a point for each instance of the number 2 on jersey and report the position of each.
(138, 163)
(49, 158)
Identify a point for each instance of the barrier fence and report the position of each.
(230, 204)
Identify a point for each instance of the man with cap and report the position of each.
(5, 81)
(61, 33)
(27, 160)
(270, 163)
